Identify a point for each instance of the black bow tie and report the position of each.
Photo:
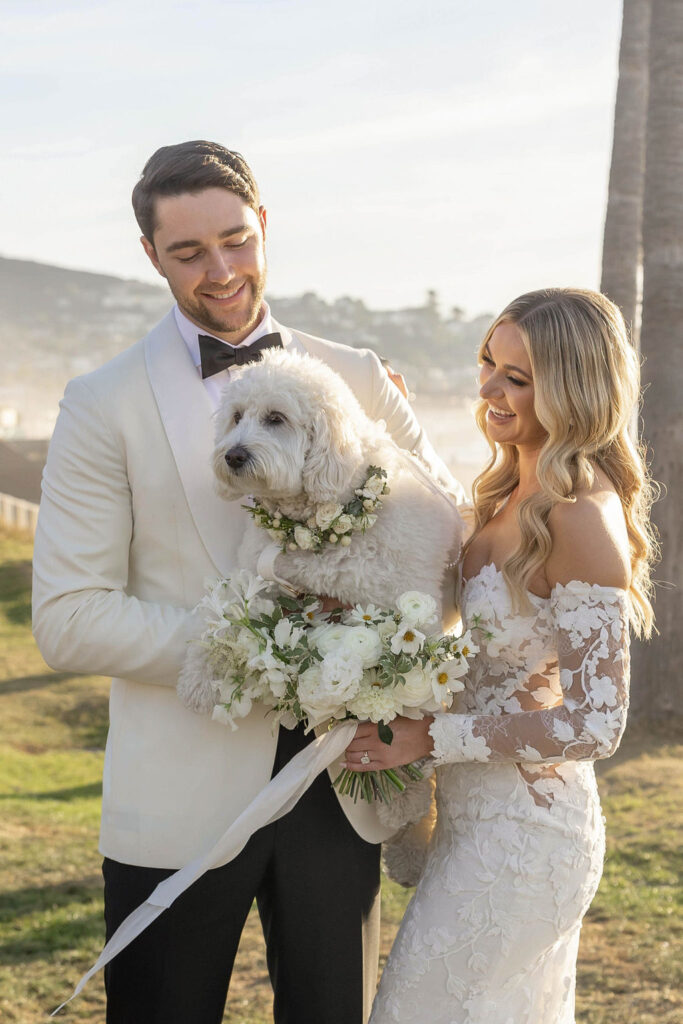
(218, 355)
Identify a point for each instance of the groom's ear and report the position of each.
(152, 254)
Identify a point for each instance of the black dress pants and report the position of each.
(316, 883)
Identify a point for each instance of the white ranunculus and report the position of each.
(328, 637)
(304, 538)
(407, 639)
(416, 608)
(365, 642)
(326, 513)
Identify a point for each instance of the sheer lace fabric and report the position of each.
(491, 934)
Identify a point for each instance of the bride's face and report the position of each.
(507, 386)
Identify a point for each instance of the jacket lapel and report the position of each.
(187, 417)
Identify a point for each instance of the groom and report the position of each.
(130, 528)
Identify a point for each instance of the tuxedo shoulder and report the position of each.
(127, 366)
(119, 370)
(322, 347)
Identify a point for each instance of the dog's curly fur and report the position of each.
(305, 440)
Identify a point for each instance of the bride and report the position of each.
(553, 575)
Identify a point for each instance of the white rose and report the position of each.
(304, 538)
(387, 629)
(327, 513)
(278, 535)
(319, 699)
(417, 688)
(343, 524)
(344, 671)
(375, 485)
(416, 607)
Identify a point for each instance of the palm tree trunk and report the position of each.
(622, 245)
(658, 666)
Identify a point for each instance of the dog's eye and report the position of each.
(237, 417)
(274, 418)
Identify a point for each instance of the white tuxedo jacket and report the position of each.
(130, 528)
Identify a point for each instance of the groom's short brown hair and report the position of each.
(190, 167)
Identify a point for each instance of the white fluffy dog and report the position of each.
(291, 434)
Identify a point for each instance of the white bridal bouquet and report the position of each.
(317, 667)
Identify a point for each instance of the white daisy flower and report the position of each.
(407, 639)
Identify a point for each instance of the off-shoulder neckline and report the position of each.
(559, 587)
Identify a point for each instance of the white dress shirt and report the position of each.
(190, 334)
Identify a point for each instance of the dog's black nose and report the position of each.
(236, 457)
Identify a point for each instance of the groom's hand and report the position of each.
(411, 742)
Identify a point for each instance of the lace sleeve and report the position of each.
(591, 626)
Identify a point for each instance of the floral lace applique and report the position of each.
(574, 648)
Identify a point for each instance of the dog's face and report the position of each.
(285, 429)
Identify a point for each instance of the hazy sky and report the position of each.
(398, 145)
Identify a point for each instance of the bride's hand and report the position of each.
(411, 742)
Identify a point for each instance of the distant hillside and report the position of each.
(57, 323)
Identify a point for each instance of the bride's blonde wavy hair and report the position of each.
(587, 383)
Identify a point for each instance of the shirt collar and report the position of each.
(190, 332)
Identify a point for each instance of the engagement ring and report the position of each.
(365, 759)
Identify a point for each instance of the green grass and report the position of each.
(52, 732)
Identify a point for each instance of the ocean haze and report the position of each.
(57, 323)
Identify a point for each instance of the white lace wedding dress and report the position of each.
(491, 934)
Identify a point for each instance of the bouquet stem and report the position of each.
(382, 785)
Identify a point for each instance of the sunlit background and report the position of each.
(400, 146)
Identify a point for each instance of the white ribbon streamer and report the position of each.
(273, 802)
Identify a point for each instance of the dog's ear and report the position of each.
(331, 458)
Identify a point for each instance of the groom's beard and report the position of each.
(233, 321)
